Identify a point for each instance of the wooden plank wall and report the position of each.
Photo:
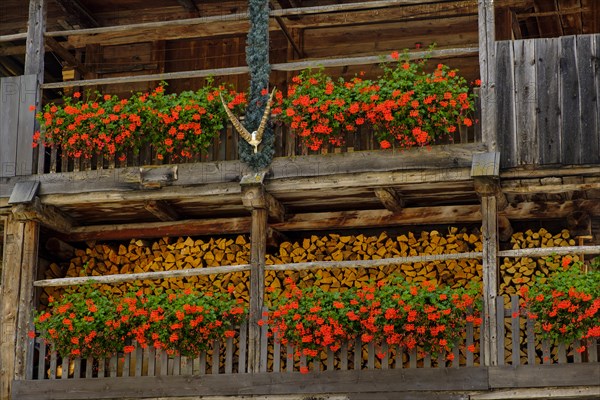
(17, 124)
(548, 100)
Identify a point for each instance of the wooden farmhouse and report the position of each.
(496, 201)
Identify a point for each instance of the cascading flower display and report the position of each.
(566, 306)
(176, 125)
(88, 323)
(397, 313)
(406, 106)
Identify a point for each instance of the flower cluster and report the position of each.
(566, 307)
(405, 107)
(87, 323)
(179, 125)
(424, 316)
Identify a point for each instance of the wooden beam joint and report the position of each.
(254, 196)
(46, 215)
(161, 210)
(390, 199)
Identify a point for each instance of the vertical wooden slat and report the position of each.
(28, 97)
(570, 102)
(456, 353)
(177, 365)
(289, 354)
(42, 358)
(596, 47)
(592, 350)
(139, 360)
(546, 356)
(243, 342)
(196, 366)
(441, 359)
(53, 361)
(427, 361)
(548, 100)
(412, 358)
(576, 354)
(330, 359)
(164, 363)
(202, 363)
(276, 353)
(77, 368)
(264, 345)
(229, 355)
(357, 354)
(9, 118)
(386, 356)
(53, 159)
(302, 361)
(126, 364)
(186, 366)
(487, 68)
(469, 342)
(530, 342)
(515, 328)
(215, 357)
(112, 366)
(526, 102)
(371, 355)
(562, 353)
(344, 356)
(500, 330)
(89, 367)
(399, 362)
(65, 368)
(507, 135)
(101, 368)
(590, 126)
(152, 357)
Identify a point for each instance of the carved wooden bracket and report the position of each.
(46, 215)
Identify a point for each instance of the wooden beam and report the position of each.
(161, 210)
(303, 266)
(548, 251)
(158, 229)
(490, 280)
(390, 199)
(487, 62)
(34, 54)
(583, 392)
(63, 53)
(49, 216)
(78, 13)
(140, 276)
(290, 66)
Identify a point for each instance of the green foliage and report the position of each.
(429, 317)
(566, 306)
(90, 323)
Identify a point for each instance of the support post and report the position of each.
(487, 67)
(16, 301)
(489, 344)
(253, 197)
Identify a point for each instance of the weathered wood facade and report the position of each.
(534, 158)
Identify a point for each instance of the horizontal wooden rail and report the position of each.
(549, 251)
(290, 66)
(117, 278)
(332, 8)
(371, 263)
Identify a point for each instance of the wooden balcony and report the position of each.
(356, 370)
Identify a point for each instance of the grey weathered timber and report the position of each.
(505, 106)
(356, 381)
(544, 375)
(253, 196)
(547, 251)
(515, 328)
(26, 307)
(487, 66)
(548, 98)
(526, 102)
(547, 90)
(17, 124)
(586, 62)
(490, 280)
(570, 101)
